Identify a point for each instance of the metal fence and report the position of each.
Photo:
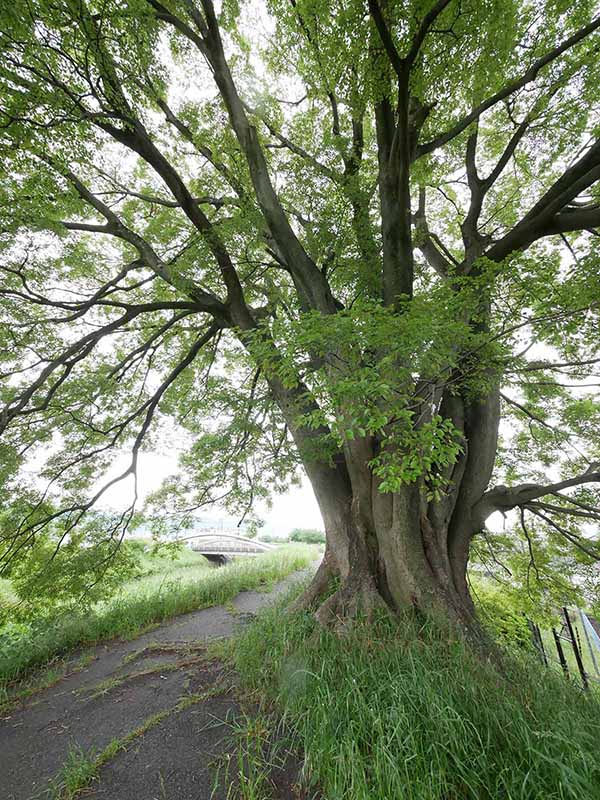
(574, 655)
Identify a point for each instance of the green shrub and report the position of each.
(499, 611)
(47, 577)
(270, 539)
(307, 535)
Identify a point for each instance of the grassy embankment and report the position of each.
(410, 712)
(168, 588)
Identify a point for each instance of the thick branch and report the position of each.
(140, 142)
(426, 241)
(573, 219)
(550, 214)
(304, 270)
(423, 30)
(386, 38)
(503, 498)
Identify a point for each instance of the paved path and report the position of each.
(125, 684)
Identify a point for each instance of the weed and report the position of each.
(261, 756)
(81, 769)
(253, 770)
(397, 710)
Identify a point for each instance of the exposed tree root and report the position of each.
(114, 683)
(318, 588)
(356, 598)
(160, 648)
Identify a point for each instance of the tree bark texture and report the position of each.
(395, 551)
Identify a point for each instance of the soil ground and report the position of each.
(164, 671)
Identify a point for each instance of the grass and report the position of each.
(260, 764)
(247, 772)
(159, 561)
(155, 566)
(79, 770)
(410, 712)
(151, 600)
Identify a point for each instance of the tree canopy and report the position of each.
(356, 238)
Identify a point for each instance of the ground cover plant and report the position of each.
(409, 711)
(140, 604)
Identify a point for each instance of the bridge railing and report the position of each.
(227, 543)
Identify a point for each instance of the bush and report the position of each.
(500, 613)
(270, 539)
(308, 536)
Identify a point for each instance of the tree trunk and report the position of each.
(398, 551)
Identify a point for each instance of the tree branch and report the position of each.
(386, 39)
(505, 497)
(292, 147)
(205, 300)
(528, 77)
(525, 411)
(425, 240)
(423, 30)
(575, 540)
(305, 272)
(550, 214)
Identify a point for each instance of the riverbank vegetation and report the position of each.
(165, 590)
(411, 711)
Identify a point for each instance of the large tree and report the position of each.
(351, 236)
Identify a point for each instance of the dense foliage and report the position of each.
(307, 535)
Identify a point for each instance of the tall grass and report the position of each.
(148, 601)
(412, 713)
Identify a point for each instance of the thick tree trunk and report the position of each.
(402, 561)
(399, 551)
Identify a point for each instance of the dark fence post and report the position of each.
(580, 667)
(559, 650)
(536, 638)
(541, 643)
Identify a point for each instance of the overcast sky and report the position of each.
(297, 508)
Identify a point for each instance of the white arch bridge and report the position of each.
(221, 547)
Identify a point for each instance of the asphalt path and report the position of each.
(122, 688)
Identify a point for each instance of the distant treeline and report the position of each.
(306, 535)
